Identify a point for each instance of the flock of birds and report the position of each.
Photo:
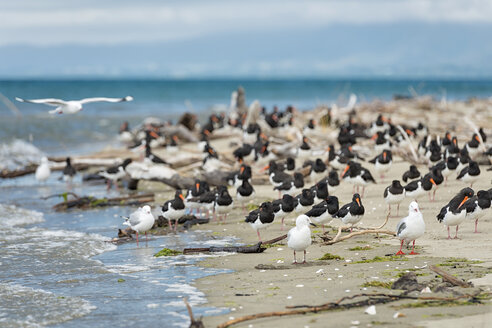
(308, 191)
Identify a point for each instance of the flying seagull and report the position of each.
(71, 106)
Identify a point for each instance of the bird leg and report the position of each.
(279, 195)
(323, 227)
(137, 238)
(434, 194)
(146, 240)
(413, 249)
(449, 236)
(476, 225)
(400, 252)
(258, 233)
(445, 181)
(282, 227)
(108, 183)
(363, 189)
(295, 260)
(304, 259)
(353, 189)
(456, 235)
(430, 199)
(389, 209)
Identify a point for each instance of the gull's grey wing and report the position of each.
(97, 99)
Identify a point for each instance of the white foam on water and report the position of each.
(11, 216)
(18, 154)
(22, 306)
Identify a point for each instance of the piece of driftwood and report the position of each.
(372, 299)
(30, 169)
(235, 249)
(338, 239)
(87, 202)
(193, 322)
(449, 278)
(177, 181)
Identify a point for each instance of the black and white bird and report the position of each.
(292, 186)
(290, 165)
(261, 217)
(470, 174)
(275, 175)
(304, 150)
(410, 227)
(115, 173)
(68, 171)
(382, 142)
(245, 153)
(223, 203)
(477, 206)
(304, 201)
(284, 207)
(436, 175)
(448, 167)
(299, 237)
(71, 106)
(318, 170)
(149, 156)
(352, 212)
(412, 174)
(140, 221)
(320, 191)
(244, 193)
(174, 209)
(454, 213)
(394, 194)
(419, 188)
(382, 162)
(357, 175)
(472, 146)
(323, 212)
(193, 195)
(336, 161)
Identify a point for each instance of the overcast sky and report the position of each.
(55, 38)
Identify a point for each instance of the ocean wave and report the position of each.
(22, 306)
(12, 216)
(18, 154)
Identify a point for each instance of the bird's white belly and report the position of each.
(299, 239)
(223, 209)
(351, 219)
(43, 172)
(476, 214)
(257, 225)
(451, 219)
(394, 199)
(382, 168)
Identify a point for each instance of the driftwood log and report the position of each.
(31, 169)
(235, 249)
(371, 299)
(87, 202)
(449, 278)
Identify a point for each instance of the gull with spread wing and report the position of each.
(71, 106)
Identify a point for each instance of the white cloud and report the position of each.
(115, 22)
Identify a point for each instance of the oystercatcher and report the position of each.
(323, 212)
(114, 173)
(418, 188)
(320, 191)
(357, 175)
(149, 156)
(477, 205)
(318, 170)
(454, 213)
(412, 174)
(410, 227)
(305, 200)
(338, 162)
(394, 194)
(68, 171)
(304, 149)
(299, 237)
(276, 176)
(283, 207)
(352, 212)
(174, 209)
(382, 162)
(261, 217)
(244, 193)
(470, 173)
(472, 146)
(292, 186)
(223, 203)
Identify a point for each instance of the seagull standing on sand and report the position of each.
(411, 227)
(141, 220)
(43, 170)
(299, 237)
(71, 106)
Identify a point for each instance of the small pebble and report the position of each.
(347, 290)
(337, 269)
(319, 271)
(340, 276)
(355, 322)
(328, 279)
(289, 297)
(286, 275)
(371, 310)
(262, 270)
(299, 286)
(280, 249)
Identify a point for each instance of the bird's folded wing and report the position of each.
(97, 99)
(135, 217)
(46, 101)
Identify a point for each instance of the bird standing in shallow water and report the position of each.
(43, 171)
(410, 227)
(299, 237)
(141, 220)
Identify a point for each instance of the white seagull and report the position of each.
(410, 227)
(71, 106)
(141, 220)
(43, 171)
(299, 237)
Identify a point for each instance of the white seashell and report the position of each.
(371, 310)
(426, 290)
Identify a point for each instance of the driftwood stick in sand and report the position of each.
(449, 278)
(356, 233)
(371, 300)
(410, 145)
(92, 202)
(236, 249)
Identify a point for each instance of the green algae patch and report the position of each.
(252, 207)
(167, 252)
(377, 284)
(121, 280)
(329, 256)
(360, 248)
(455, 261)
(383, 259)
